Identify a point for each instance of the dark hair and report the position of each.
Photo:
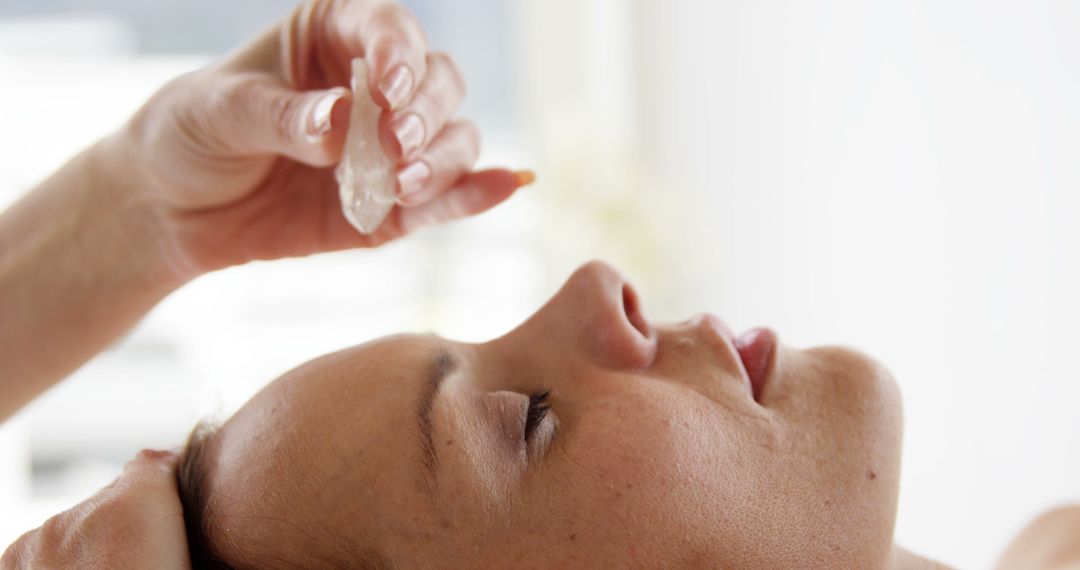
(191, 482)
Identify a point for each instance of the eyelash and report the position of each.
(538, 409)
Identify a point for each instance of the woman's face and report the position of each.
(659, 449)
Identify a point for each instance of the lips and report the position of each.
(757, 349)
(750, 356)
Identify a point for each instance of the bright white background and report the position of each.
(897, 176)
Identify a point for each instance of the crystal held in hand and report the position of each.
(366, 176)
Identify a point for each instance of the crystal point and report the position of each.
(367, 178)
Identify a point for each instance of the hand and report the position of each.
(236, 160)
(136, 522)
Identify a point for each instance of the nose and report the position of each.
(597, 316)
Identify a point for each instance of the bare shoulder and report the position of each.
(1051, 541)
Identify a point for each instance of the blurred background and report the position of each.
(897, 176)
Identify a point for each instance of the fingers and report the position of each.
(137, 522)
(149, 464)
(259, 114)
(147, 485)
(393, 44)
(440, 165)
(422, 90)
(413, 126)
(395, 48)
(20, 554)
(471, 195)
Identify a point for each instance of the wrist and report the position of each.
(81, 261)
(126, 216)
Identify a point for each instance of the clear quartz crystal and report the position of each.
(366, 176)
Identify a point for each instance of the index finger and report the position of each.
(394, 46)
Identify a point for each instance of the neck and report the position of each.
(903, 559)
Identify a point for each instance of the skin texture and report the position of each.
(654, 453)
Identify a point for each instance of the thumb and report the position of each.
(266, 116)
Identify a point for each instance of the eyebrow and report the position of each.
(440, 366)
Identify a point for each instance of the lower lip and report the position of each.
(757, 349)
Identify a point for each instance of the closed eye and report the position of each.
(538, 410)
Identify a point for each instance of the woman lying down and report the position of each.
(589, 437)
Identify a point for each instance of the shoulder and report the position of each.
(1051, 541)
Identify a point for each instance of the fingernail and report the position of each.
(413, 179)
(409, 131)
(150, 456)
(525, 177)
(396, 86)
(156, 454)
(321, 121)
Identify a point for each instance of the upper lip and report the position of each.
(720, 334)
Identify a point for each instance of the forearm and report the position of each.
(80, 263)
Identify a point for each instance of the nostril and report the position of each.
(632, 309)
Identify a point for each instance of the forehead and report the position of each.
(359, 386)
(331, 441)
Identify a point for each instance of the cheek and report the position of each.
(647, 466)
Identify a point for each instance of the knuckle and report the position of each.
(451, 69)
(458, 150)
(236, 99)
(235, 94)
(468, 139)
(439, 58)
(246, 97)
(18, 555)
(106, 511)
(383, 17)
(397, 22)
(117, 510)
(54, 531)
(471, 133)
(430, 105)
(394, 13)
(171, 104)
(57, 539)
(286, 113)
(92, 529)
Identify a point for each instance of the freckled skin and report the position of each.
(661, 458)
